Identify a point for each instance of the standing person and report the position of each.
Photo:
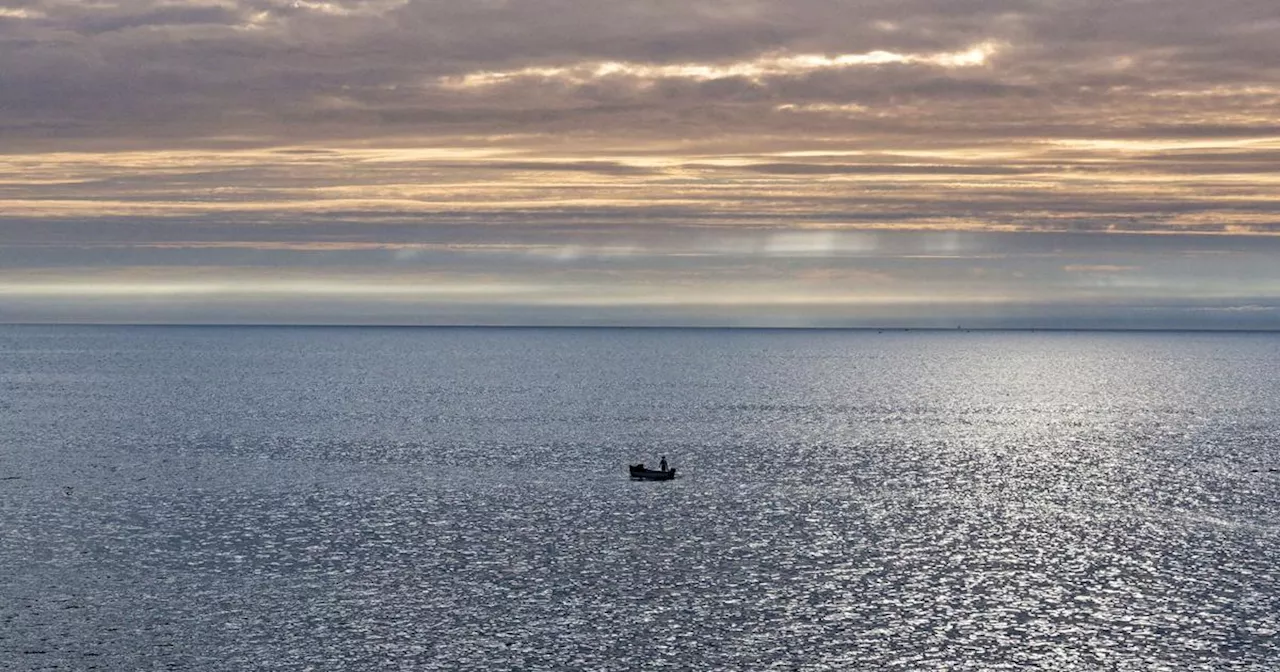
(663, 464)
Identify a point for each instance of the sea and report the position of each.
(315, 498)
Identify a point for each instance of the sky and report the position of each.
(807, 163)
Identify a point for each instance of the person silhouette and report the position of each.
(662, 465)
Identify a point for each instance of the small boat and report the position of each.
(640, 473)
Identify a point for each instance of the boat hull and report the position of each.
(639, 473)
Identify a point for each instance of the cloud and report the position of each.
(1251, 308)
(1098, 268)
(759, 68)
(689, 140)
(886, 169)
(284, 71)
(158, 17)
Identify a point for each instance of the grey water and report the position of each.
(233, 498)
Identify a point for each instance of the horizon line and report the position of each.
(691, 327)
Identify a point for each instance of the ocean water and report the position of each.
(222, 498)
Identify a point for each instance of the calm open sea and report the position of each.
(223, 498)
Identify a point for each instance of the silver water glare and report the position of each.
(457, 499)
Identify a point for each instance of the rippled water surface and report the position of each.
(457, 499)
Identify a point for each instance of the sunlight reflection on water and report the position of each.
(440, 499)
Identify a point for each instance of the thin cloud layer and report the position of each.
(756, 70)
